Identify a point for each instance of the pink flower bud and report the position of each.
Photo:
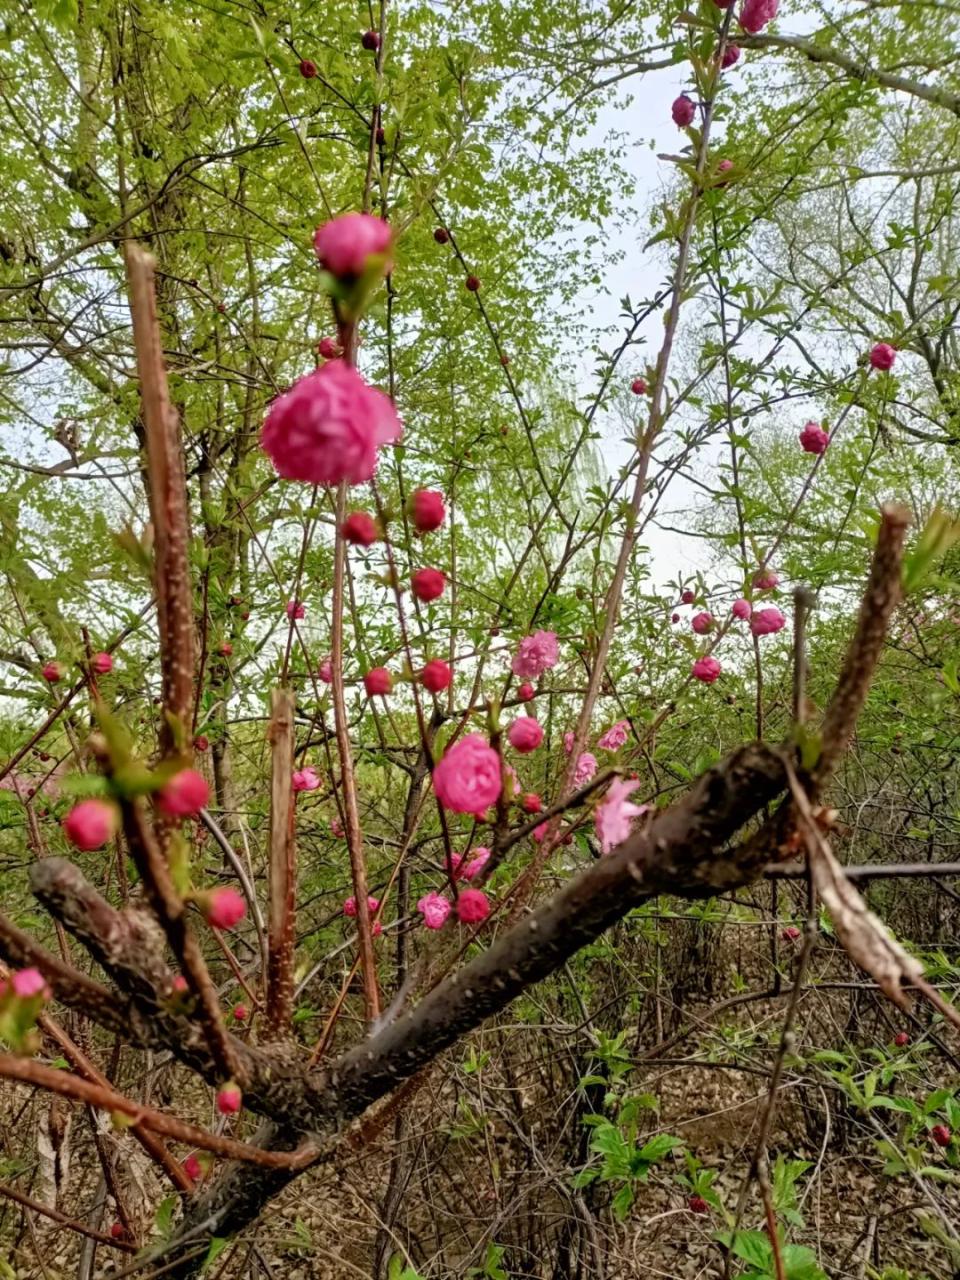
(360, 529)
(731, 55)
(295, 610)
(436, 675)
(481, 856)
(742, 609)
(702, 622)
(179, 985)
(201, 742)
(328, 348)
(350, 905)
(90, 824)
(941, 1135)
(813, 438)
(345, 244)
(766, 622)
(102, 663)
(378, 681)
(434, 908)
(428, 584)
(688, 597)
(639, 386)
(53, 671)
(426, 510)
(229, 1100)
(706, 669)
(526, 692)
(525, 734)
(225, 908)
(674, 617)
(472, 906)
(765, 580)
(791, 933)
(683, 111)
(325, 671)
(901, 1039)
(532, 803)
(193, 1168)
(467, 778)
(882, 355)
(308, 69)
(240, 1012)
(184, 795)
(226, 649)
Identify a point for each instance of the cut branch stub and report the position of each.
(283, 864)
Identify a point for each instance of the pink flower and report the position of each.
(767, 621)
(537, 654)
(586, 768)
(192, 1167)
(52, 672)
(90, 824)
(378, 681)
(102, 663)
(706, 669)
(434, 908)
(229, 1100)
(360, 529)
(467, 778)
(702, 622)
(731, 54)
(540, 833)
(813, 438)
(525, 734)
(526, 692)
(755, 14)
(306, 779)
(180, 984)
(328, 427)
(615, 737)
(325, 671)
(481, 856)
(791, 933)
(184, 795)
(225, 908)
(328, 348)
(568, 738)
(426, 510)
(240, 1012)
(725, 165)
(688, 597)
(201, 742)
(295, 610)
(436, 675)
(639, 386)
(350, 905)
(883, 355)
(615, 813)
(742, 609)
(336, 828)
(532, 802)
(765, 580)
(344, 244)
(472, 906)
(27, 983)
(428, 584)
(683, 111)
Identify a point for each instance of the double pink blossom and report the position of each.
(537, 653)
(467, 778)
(742, 609)
(813, 438)
(225, 908)
(882, 356)
(585, 770)
(295, 610)
(614, 815)
(90, 824)
(344, 245)
(350, 905)
(615, 737)
(472, 906)
(702, 622)
(102, 663)
(426, 510)
(328, 427)
(435, 909)
(755, 14)
(706, 669)
(184, 795)
(765, 622)
(306, 779)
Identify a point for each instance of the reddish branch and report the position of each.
(282, 864)
(168, 502)
(29, 1071)
(29, 1203)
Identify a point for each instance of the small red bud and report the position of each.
(371, 40)
(472, 283)
(308, 69)
(441, 235)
